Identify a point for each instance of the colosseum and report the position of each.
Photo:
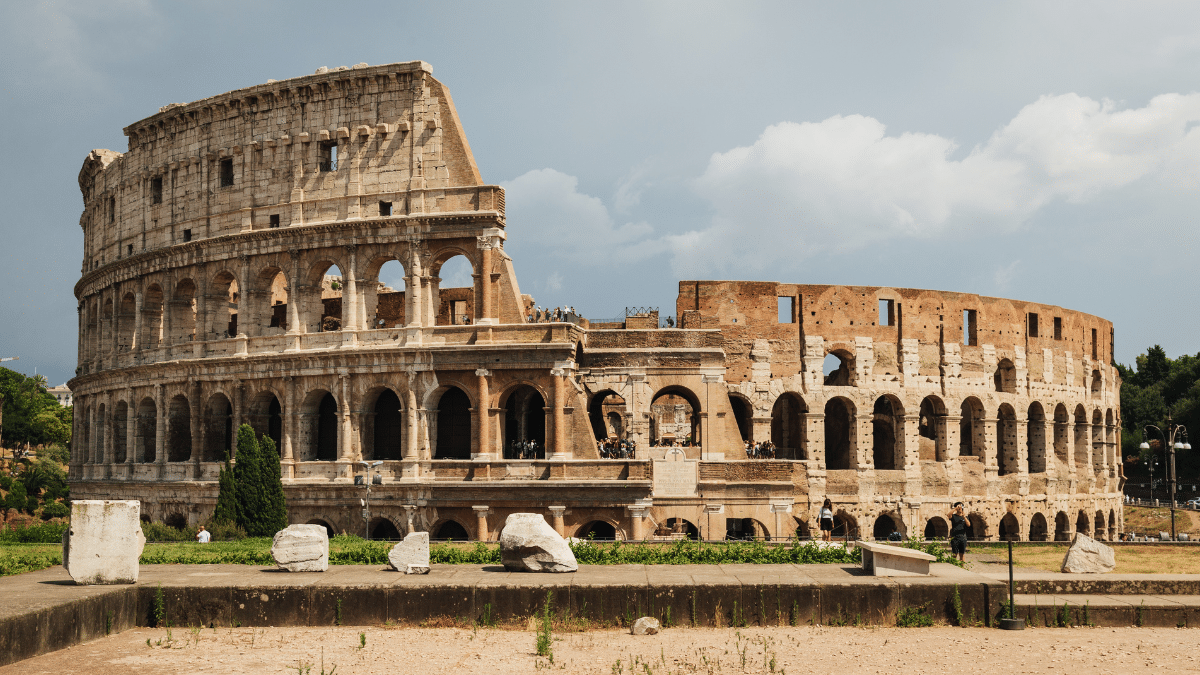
(232, 275)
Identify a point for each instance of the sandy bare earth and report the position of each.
(680, 650)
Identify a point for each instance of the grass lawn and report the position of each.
(1131, 558)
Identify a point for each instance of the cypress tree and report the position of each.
(246, 477)
(226, 510)
(273, 516)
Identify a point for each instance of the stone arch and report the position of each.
(455, 424)
(329, 531)
(845, 525)
(456, 304)
(1082, 456)
(264, 414)
(120, 426)
(746, 529)
(602, 404)
(1062, 436)
(319, 424)
(743, 411)
(382, 527)
(1112, 525)
(670, 419)
(1062, 527)
(1035, 437)
(152, 317)
(81, 443)
(840, 434)
(218, 428)
(936, 528)
(126, 319)
(1098, 445)
(321, 304)
(683, 526)
(101, 431)
(449, 529)
(887, 434)
(92, 327)
(1038, 530)
(224, 295)
(802, 529)
(383, 424)
(525, 421)
(1097, 387)
(1010, 528)
(106, 326)
(789, 426)
(972, 437)
(978, 527)
(1007, 458)
(269, 299)
(1082, 524)
(1005, 377)
(385, 306)
(179, 429)
(841, 374)
(931, 430)
(602, 530)
(175, 520)
(1099, 530)
(885, 524)
(146, 444)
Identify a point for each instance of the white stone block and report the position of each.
(647, 625)
(884, 560)
(529, 544)
(411, 556)
(301, 548)
(103, 542)
(1088, 556)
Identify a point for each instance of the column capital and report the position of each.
(483, 372)
(557, 511)
(480, 511)
(713, 509)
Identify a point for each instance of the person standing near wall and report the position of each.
(826, 519)
(958, 532)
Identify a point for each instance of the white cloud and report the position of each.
(844, 183)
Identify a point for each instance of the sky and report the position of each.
(1046, 152)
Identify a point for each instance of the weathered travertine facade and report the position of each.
(206, 302)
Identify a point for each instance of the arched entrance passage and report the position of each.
(1010, 529)
(120, 424)
(839, 417)
(269, 303)
(931, 430)
(1006, 437)
(1005, 377)
(183, 312)
(1037, 528)
(675, 416)
(384, 294)
(321, 298)
(745, 529)
(978, 530)
(844, 525)
(450, 530)
(1100, 530)
(146, 444)
(387, 427)
(681, 526)
(601, 411)
(742, 411)
(1062, 436)
(525, 424)
(597, 530)
(222, 307)
(1083, 525)
(152, 317)
(1035, 438)
(1082, 463)
(838, 368)
(218, 429)
(788, 428)
(125, 322)
(327, 428)
(328, 528)
(936, 528)
(176, 520)
(803, 530)
(886, 427)
(265, 416)
(1062, 527)
(970, 430)
(452, 289)
(885, 525)
(382, 528)
(453, 425)
(179, 430)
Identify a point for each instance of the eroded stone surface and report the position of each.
(1088, 556)
(529, 544)
(301, 548)
(411, 556)
(647, 625)
(104, 541)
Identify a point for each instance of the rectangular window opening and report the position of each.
(112, 209)
(1058, 328)
(226, 172)
(129, 249)
(187, 235)
(1033, 324)
(274, 220)
(787, 309)
(1094, 351)
(970, 335)
(329, 156)
(887, 312)
(156, 190)
(385, 208)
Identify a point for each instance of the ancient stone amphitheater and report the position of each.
(209, 299)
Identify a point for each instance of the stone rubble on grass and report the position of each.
(529, 544)
(1164, 536)
(301, 548)
(647, 625)
(103, 542)
(1088, 556)
(411, 556)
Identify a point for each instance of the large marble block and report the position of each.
(301, 548)
(103, 542)
(529, 544)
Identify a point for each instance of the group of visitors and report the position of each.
(958, 528)
(530, 449)
(672, 443)
(547, 315)
(615, 449)
(760, 450)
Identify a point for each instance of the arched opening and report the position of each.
(1035, 438)
(1100, 530)
(845, 526)
(120, 422)
(176, 520)
(885, 527)
(146, 443)
(838, 369)
(453, 425)
(327, 429)
(1062, 426)
(681, 526)
(382, 528)
(328, 528)
(179, 430)
(152, 317)
(886, 427)
(218, 429)
(745, 529)
(126, 318)
(1037, 528)
(222, 307)
(788, 428)
(1006, 433)
(971, 438)
(1062, 527)
(265, 416)
(106, 322)
(93, 330)
(936, 528)
(452, 288)
(742, 411)
(1097, 384)
(978, 527)
(1083, 525)
(450, 531)
(387, 427)
(1005, 378)
(385, 294)
(183, 312)
(1082, 461)
(321, 298)
(101, 431)
(603, 406)
(1097, 442)
(675, 413)
(597, 530)
(803, 531)
(839, 424)
(931, 430)
(1010, 529)
(1112, 525)
(525, 424)
(270, 300)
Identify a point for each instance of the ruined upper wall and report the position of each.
(252, 159)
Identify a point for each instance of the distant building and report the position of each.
(62, 394)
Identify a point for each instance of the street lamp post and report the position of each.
(1175, 438)
(366, 503)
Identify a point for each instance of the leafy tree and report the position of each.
(261, 509)
(17, 498)
(227, 499)
(1157, 386)
(274, 516)
(24, 400)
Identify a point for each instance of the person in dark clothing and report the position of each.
(958, 532)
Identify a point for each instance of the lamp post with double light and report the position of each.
(1174, 438)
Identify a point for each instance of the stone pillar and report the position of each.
(106, 450)
(413, 292)
(1022, 431)
(483, 313)
(409, 511)
(637, 513)
(130, 432)
(949, 435)
(243, 297)
(295, 327)
(135, 342)
(350, 299)
(289, 427)
(559, 419)
(237, 412)
(160, 430)
(815, 422)
(481, 516)
(345, 447)
(711, 511)
(482, 415)
(557, 520)
(196, 410)
(781, 509)
(411, 432)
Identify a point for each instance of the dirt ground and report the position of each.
(610, 652)
(1131, 558)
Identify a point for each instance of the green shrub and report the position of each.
(55, 510)
(913, 617)
(42, 533)
(58, 453)
(17, 498)
(162, 532)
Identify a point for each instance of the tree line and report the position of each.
(1155, 386)
(30, 414)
